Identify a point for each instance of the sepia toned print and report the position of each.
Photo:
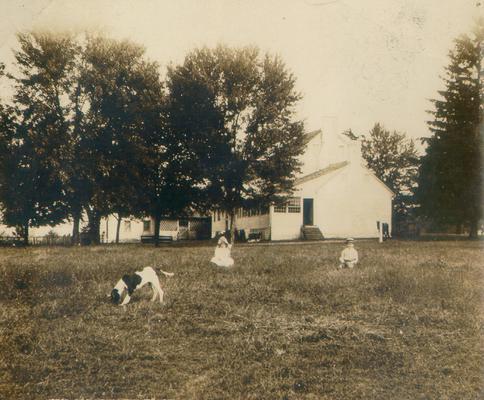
(309, 172)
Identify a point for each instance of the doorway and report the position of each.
(308, 210)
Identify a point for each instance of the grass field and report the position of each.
(284, 323)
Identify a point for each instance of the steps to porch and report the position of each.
(311, 232)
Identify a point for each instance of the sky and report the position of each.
(357, 62)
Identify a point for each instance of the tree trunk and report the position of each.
(458, 229)
(94, 226)
(232, 227)
(26, 234)
(157, 230)
(75, 229)
(473, 228)
(118, 227)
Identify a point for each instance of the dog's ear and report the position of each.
(115, 297)
(131, 282)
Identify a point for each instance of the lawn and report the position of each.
(284, 323)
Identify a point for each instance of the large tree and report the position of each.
(233, 112)
(450, 180)
(87, 117)
(171, 175)
(394, 159)
(120, 126)
(34, 140)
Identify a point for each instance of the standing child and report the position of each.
(349, 255)
(222, 256)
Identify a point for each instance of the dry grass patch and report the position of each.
(284, 323)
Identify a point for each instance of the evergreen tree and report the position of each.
(450, 181)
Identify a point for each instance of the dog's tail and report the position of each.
(165, 273)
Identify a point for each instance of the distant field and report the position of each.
(284, 323)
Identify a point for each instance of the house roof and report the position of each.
(330, 168)
(310, 135)
(335, 166)
(372, 174)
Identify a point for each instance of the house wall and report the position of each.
(312, 156)
(254, 223)
(286, 226)
(218, 222)
(6, 230)
(351, 204)
(347, 202)
(327, 148)
(130, 230)
(167, 228)
(62, 229)
(248, 224)
(179, 229)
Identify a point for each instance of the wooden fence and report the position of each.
(14, 241)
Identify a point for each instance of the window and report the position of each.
(294, 205)
(146, 226)
(281, 208)
(127, 226)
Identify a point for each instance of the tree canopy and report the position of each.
(233, 113)
(85, 118)
(34, 134)
(120, 126)
(394, 159)
(92, 130)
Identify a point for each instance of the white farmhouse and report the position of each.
(336, 195)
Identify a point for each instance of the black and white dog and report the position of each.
(129, 283)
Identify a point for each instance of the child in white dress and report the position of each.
(222, 256)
